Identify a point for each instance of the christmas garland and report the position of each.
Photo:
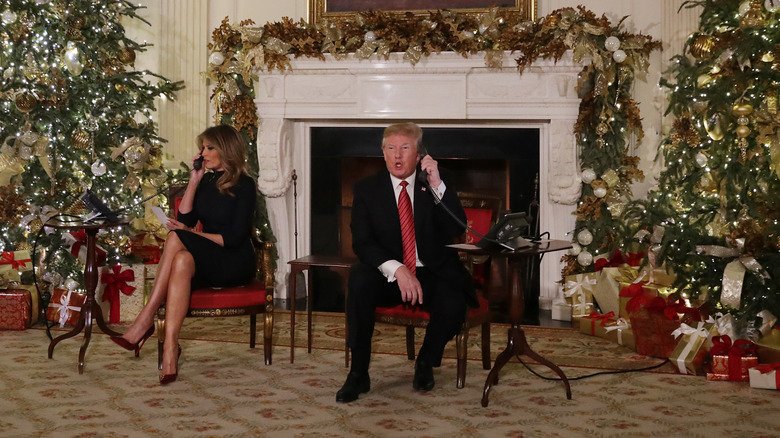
(608, 117)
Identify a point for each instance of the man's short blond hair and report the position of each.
(407, 129)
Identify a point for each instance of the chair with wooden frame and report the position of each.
(481, 212)
(252, 299)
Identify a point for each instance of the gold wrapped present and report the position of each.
(578, 292)
(607, 291)
(620, 332)
(768, 347)
(123, 288)
(595, 323)
(19, 261)
(692, 348)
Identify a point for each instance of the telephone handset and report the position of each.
(198, 163)
(422, 176)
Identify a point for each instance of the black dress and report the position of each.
(235, 263)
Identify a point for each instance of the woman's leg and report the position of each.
(145, 318)
(176, 305)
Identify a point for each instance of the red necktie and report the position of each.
(407, 228)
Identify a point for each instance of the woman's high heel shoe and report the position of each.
(170, 378)
(124, 343)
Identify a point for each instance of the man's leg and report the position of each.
(447, 306)
(368, 288)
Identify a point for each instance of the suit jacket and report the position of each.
(376, 229)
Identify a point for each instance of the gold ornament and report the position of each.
(742, 110)
(120, 87)
(26, 102)
(81, 139)
(704, 80)
(714, 127)
(127, 56)
(754, 17)
(702, 46)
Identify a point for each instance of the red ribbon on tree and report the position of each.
(635, 258)
(615, 261)
(116, 282)
(9, 258)
(722, 346)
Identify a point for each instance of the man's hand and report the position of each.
(411, 291)
(431, 166)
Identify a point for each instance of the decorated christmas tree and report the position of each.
(713, 218)
(75, 115)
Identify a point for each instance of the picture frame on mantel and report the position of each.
(338, 10)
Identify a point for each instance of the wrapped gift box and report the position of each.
(147, 247)
(692, 348)
(595, 323)
(653, 328)
(578, 292)
(731, 361)
(765, 376)
(607, 291)
(15, 309)
(65, 307)
(620, 332)
(123, 288)
(561, 312)
(77, 244)
(768, 347)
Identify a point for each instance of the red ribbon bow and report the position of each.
(595, 316)
(768, 368)
(635, 258)
(721, 345)
(9, 258)
(80, 238)
(116, 282)
(615, 261)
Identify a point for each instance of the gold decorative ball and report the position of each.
(742, 109)
(702, 46)
(743, 131)
(80, 139)
(26, 102)
(120, 87)
(127, 56)
(77, 22)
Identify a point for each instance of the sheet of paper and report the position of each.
(463, 246)
(160, 215)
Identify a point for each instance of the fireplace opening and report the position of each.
(499, 161)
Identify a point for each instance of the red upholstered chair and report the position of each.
(481, 212)
(255, 298)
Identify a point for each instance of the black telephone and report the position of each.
(198, 163)
(422, 176)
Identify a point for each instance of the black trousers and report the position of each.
(369, 289)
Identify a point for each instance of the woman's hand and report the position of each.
(196, 174)
(173, 224)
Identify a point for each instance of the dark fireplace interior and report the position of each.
(503, 162)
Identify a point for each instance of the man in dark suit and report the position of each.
(403, 263)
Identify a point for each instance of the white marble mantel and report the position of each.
(441, 90)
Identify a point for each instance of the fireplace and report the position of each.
(444, 93)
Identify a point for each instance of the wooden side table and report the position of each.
(301, 264)
(91, 308)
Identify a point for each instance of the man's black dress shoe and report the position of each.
(423, 376)
(357, 383)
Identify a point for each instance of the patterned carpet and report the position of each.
(225, 389)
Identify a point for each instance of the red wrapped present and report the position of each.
(732, 361)
(654, 323)
(65, 307)
(15, 309)
(765, 376)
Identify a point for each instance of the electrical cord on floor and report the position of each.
(594, 374)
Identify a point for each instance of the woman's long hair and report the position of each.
(232, 154)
